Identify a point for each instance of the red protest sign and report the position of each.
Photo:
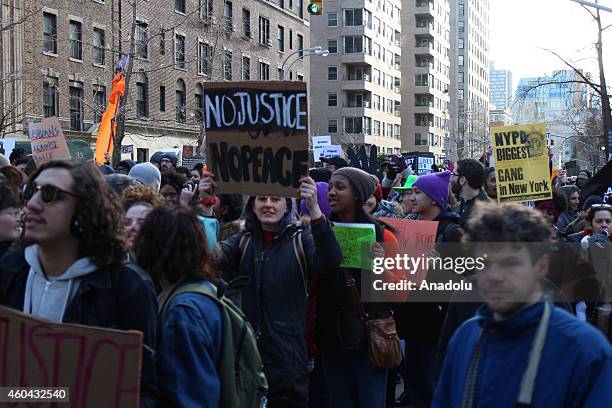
(100, 367)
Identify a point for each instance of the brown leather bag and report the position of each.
(383, 341)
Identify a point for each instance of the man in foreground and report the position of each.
(520, 350)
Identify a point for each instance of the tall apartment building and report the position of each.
(355, 91)
(470, 85)
(11, 115)
(71, 48)
(500, 88)
(426, 68)
(560, 101)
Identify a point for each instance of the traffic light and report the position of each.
(315, 7)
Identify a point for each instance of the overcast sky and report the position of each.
(519, 28)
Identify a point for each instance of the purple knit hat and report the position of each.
(435, 185)
(321, 199)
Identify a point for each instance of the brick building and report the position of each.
(70, 48)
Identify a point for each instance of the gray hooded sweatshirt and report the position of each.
(48, 297)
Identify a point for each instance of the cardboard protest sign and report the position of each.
(48, 141)
(100, 367)
(415, 239)
(521, 163)
(257, 136)
(352, 238)
(318, 146)
(332, 151)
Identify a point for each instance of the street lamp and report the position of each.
(318, 50)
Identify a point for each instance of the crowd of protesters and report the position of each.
(124, 247)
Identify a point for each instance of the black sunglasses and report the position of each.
(48, 193)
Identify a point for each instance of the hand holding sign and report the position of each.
(308, 192)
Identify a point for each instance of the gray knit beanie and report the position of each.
(362, 183)
(147, 174)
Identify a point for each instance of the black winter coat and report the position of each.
(275, 300)
(114, 296)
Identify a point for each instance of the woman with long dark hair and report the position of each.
(172, 247)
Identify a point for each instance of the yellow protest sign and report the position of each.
(521, 162)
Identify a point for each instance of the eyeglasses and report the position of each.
(48, 193)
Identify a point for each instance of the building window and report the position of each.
(198, 104)
(461, 9)
(179, 50)
(162, 41)
(76, 108)
(279, 73)
(50, 33)
(300, 4)
(246, 68)
(264, 31)
(179, 5)
(332, 46)
(353, 125)
(228, 16)
(460, 94)
(162, 98)
(300, 77)
(76, 40)
(180, 101)
(353, 44)
(461, 60)
(332, 126)
(142, 40)
(353, 17)
(281, 3)
(332, 73)
(264, 71)
(461, 43)
(50, 98)
(332, 20)
(332, 99)
(420, 140)
(281, 38)
(206, 10)
(204, 54)
(246, 23)
(290, 39)
(98, 46)
(142, 95)
(99, 103)
(227, 65)
(300, 44)
(461, 26)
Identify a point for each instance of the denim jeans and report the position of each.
(353, 382)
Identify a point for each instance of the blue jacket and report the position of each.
(575, 369)
(189, 346)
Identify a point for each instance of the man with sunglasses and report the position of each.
(71, 269)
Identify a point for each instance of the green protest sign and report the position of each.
(352, 238)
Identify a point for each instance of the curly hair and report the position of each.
(139, 193)
(13, 175)
(171, 245)
(9, 198)
(509, 223)
(102, 238)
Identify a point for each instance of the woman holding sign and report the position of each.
(279, 255)
(354, 380)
